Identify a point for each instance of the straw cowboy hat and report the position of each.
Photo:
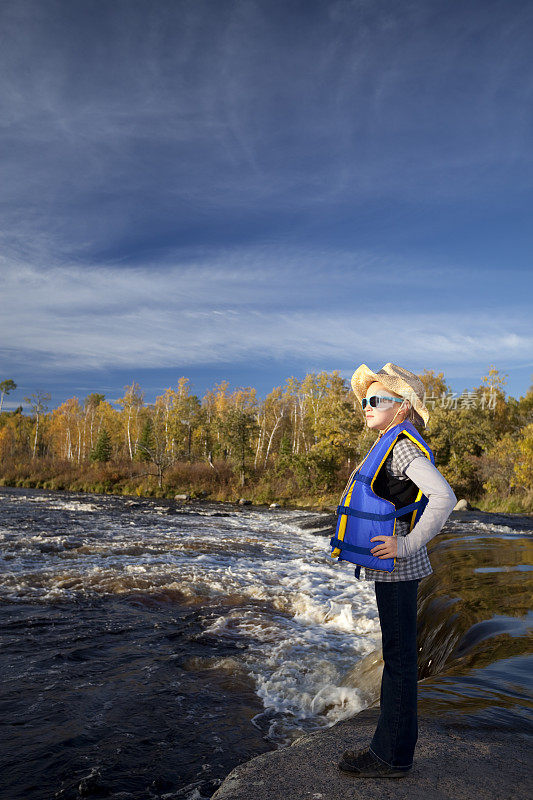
(395, 378)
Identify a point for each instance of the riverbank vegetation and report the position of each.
(298, 446)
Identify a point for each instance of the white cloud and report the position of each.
(206, 313)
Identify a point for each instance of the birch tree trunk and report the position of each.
(276, 426)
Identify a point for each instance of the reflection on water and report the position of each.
(519, 567)
(495, 696)
(148, 649)
(476, 622)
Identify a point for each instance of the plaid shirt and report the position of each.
(417, 565)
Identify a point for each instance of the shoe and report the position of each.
(363, 764)
(349, 755)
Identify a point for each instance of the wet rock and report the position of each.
(319, 524)
(164, 509)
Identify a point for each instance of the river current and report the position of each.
(150, 646)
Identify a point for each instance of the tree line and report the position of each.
(303, 438)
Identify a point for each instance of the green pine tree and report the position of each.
(103, 449)
(146, 442)
(285, 448)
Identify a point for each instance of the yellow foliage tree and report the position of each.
(523, 468)
(131, 404)
(498, 465)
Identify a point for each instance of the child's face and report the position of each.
(379, 418)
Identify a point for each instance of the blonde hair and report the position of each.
(414, 417)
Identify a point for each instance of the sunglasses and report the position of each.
(379, 401)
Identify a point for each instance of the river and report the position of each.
(150, 646)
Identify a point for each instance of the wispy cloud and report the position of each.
(195, 110)
(76, 318)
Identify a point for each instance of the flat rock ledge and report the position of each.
(451, 763)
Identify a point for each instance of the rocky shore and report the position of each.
(451, 763)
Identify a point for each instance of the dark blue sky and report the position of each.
(248, 190)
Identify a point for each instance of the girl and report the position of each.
(388, 397)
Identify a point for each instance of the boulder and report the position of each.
(450, 763)
(462, 505)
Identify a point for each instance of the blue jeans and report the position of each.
(397, 731)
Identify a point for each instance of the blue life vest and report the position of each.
(364, 514)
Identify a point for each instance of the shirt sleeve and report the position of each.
(441, 502)
(403, 452)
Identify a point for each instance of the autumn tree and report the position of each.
(15, 435)
(131, 404)
(205, 426)
(38, 404)
(497, 465)
(523, 471)
(239, 426)
(520, 412)
(181, 414)
(155, 448)
(269, 419)
(435, 387)
(294, 402)
(66, 430)
(215, 405)
(90, 407)
(339, 423)
(493, 402)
